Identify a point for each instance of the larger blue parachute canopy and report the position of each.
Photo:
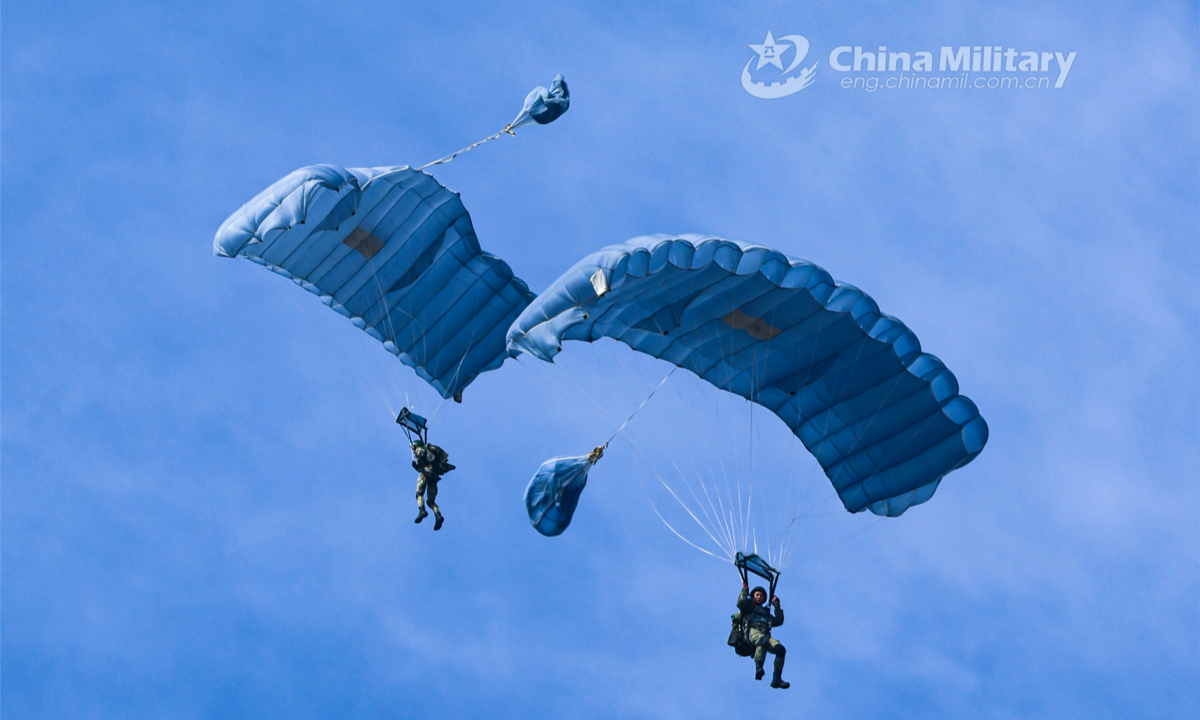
(883, 419)
(554, 492)
(393, 251)
(544, 106)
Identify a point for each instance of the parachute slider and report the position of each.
(413, 424)
(747, 564)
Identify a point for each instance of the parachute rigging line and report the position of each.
(681, 537)
(542, 106)
(451, 156)
(639, 407)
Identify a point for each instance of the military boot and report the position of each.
(437, 522)
(759, 672)
(421, 515)
(778, 682)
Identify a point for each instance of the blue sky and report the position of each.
(207, 511)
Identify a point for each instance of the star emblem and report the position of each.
(769, 52)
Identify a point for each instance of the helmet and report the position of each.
(760, 589)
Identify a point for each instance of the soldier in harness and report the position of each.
(430, 461)
(751, 633)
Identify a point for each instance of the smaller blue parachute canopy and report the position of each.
(554, 492)
(394, 251)
(544, 106)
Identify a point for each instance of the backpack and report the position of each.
(441, 464)
(737, 638)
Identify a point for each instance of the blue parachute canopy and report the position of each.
(883, 419)
(554, 492)
(544, 106)
(393, 251)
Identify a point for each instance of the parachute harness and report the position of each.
(414, 426)
(747, 564)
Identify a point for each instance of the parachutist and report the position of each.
(757, 620)
(430, 461)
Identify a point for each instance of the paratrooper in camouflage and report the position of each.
(431, 462)
(758, 621)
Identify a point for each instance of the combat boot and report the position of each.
(778, 682)
(437, 522)
(759, 672)
(421, 515)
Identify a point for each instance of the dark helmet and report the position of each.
(760, 589)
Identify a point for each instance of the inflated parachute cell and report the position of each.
(554, 492)
(395, 252)
(883, 419)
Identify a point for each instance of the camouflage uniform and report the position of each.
(425, 463)
(759, 621)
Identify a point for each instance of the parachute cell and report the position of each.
(884, 420)
(395, 252)
(554, 492)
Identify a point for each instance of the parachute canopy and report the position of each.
(394, 251)
(882, 418)
(554, 492)
(544, 106)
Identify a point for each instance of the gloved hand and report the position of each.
(775, 601)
